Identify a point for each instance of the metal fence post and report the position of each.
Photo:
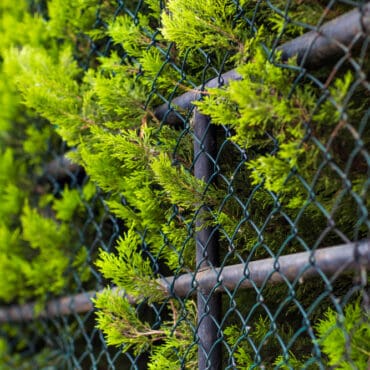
(208, 304)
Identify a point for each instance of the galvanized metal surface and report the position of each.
(296, 268)
(335, 39)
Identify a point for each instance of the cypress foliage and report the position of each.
(36, 240)
(103, 107)
(39, 221)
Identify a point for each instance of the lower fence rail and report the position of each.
(296, 267)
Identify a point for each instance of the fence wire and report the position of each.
(279, 258)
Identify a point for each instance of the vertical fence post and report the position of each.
(208, 304)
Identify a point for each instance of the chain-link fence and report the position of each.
(272, 255)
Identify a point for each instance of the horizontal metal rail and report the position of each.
(313, 49)
(60, 167)
(331, 41)
(334, 39)
(73, 304)
(331, 261)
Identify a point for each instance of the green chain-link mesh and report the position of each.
(271, 321)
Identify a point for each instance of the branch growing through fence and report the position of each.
(340, 36)
(296, 268)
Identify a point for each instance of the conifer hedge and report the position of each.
(100, 108)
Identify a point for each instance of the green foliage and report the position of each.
(37, 253)
(120, 322)
(219, 27)
(37, 242)
(206, 24)
(234, 338)
(104, 107)
(258, 104)
(71, 17)
(267, 114)
(130, 270)
(245, 341)
(44, 90)
(103, 112)
(45, 360)
(345, 338)
(191, 192)
(291, 363)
